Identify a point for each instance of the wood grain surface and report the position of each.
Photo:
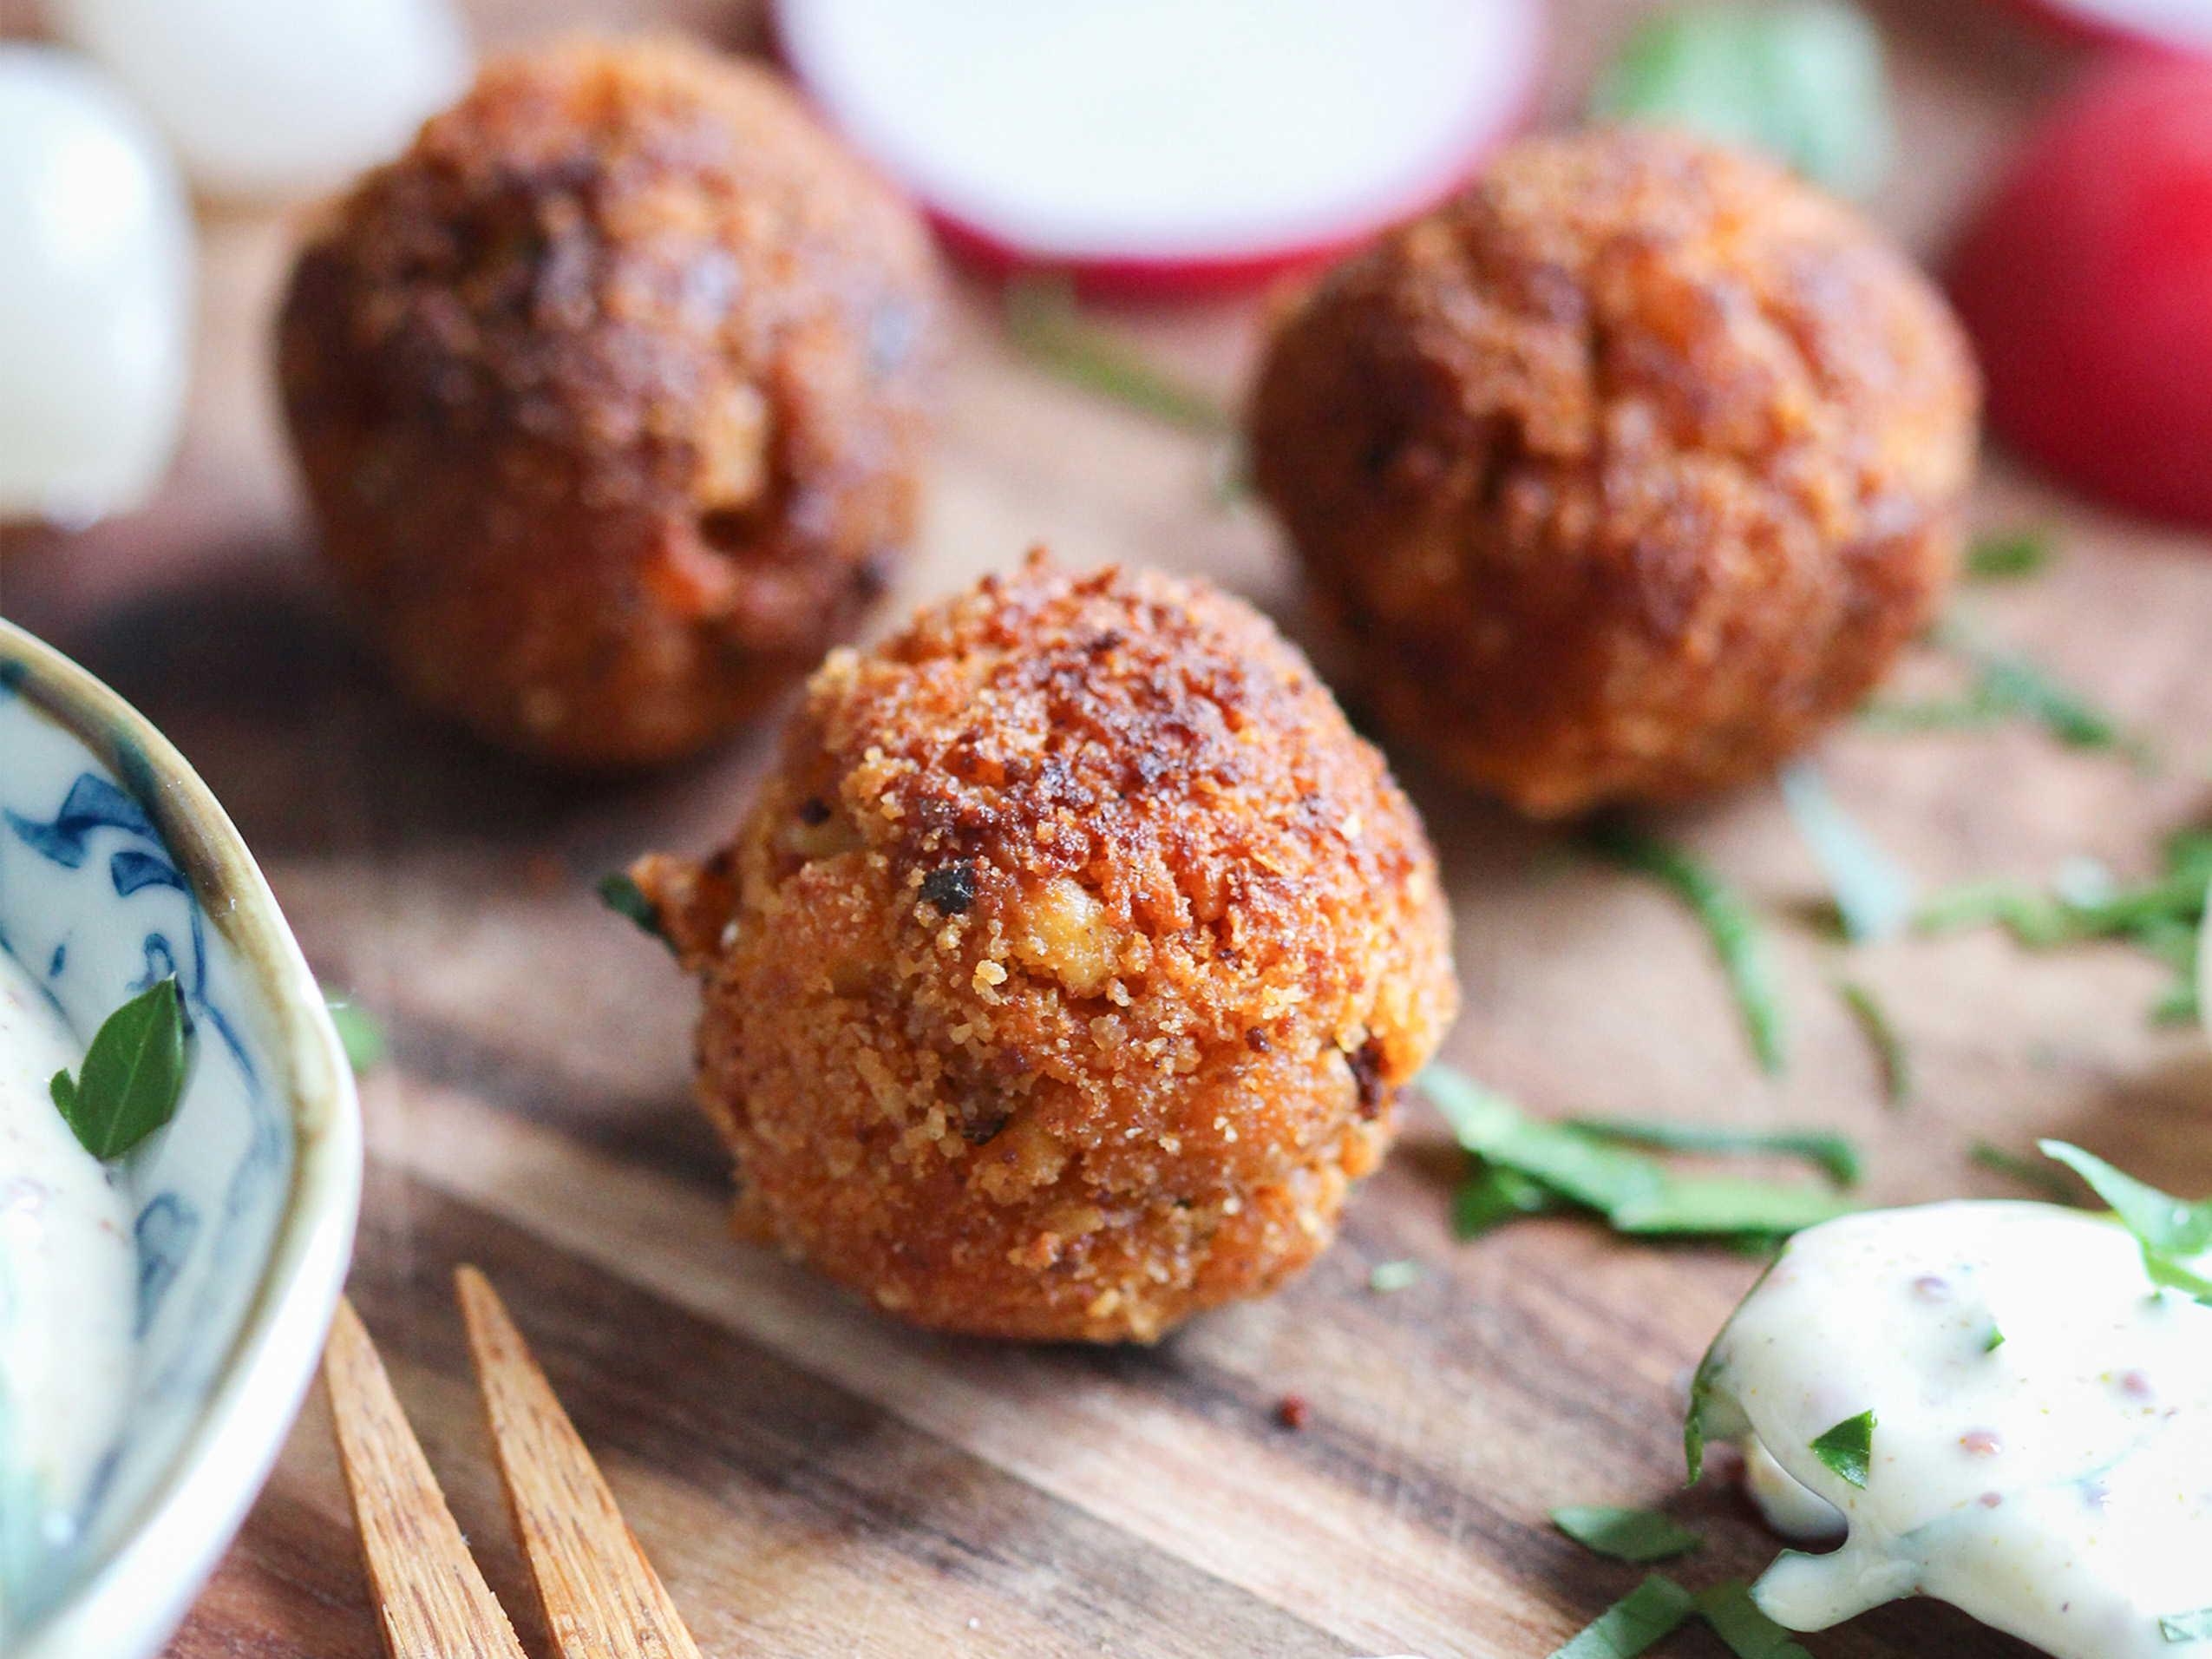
(812, 1479)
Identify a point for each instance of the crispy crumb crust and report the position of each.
(1623, 472)
(611, 396)
(1062, 977)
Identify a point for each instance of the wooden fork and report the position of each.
(602, 1598)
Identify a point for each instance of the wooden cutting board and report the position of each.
(813, 1479)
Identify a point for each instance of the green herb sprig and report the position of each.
(1660, 1604)
(2172, 1232)
(1737, 1620)
(1738, 937)
(621, 893)
(1637, 1623)
(360, 1034)
(2041, 1178)
(1874, 895)
(1527, 1166)
(2005, 685)
(133, 1076)
(2007, 555)
(1635, 1535)
(1892, 1057)
(1830, 1153)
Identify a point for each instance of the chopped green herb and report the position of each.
(1994, 1341)
(1830, 1153)
(1717, 1206)
(1736, 1618)
(359, 1033)
(1045, 323)
(1389, 1276)
(2006, 555)
(1635, 1623)
(625, 898)
(2171, 1231)
(1737, 938)
(1494, 1195)
(1848, 1449)
(2006, 685)
(1874, 893)
(133, 1076)
(2041, 1176)
(1525, 1166)
(1637, 1535)
(1889, 1052)
(1803, 82)
(2187, 1627)
(1694, 1431)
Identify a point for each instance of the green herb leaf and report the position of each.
(2187, 1627)
(1637, 1535)
(1494, 1195)
(359, 1033)
(1736, 1618)
(2169, 1225)
(1635, 1623)
(1044, 324)
(1874, 893)
(1830, 1153)
(625, 898)
(1994, 1341)
(1890, 1052)
(2041, 1177)
(2006, 555)
(1805, 82)
(1694, 1430)
(1737, 938)
(1848, 1449)
(1712, 1205)
(1489, 1126)
(133, 1076)
(1390, 1276)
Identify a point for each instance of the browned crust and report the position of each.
(1062, 979)
(611, 396)
(1625, 471)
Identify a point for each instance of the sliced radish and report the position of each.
(2086, 283)
(1168, 142)
(2171, 23)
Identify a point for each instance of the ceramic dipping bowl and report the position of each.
(117, 868)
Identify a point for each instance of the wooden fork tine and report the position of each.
(602, 1598)
(432, 1600)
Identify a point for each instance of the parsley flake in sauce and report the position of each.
(1848, 1449)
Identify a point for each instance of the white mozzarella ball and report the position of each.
(96, 291)
(278, 98)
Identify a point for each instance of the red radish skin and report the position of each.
(2086, 283)
(2115, 22)
(1118, 256)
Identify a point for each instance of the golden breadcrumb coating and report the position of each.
(1623, 473)
(1064, 976)
(611, 396)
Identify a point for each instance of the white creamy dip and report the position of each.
(68, 1270)
(2057, 1485)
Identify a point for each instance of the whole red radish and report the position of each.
(2086, 283)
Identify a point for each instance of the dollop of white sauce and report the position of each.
(2057, 1485)
(69, 1271)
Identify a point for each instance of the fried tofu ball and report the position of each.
(611, 396)
(1064, 975)
(1623, 473)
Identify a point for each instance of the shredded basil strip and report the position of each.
(359, 1033)
(1637, 1535)
(1635, 1623)
(1891, 1056)
(1526, 1165)
(1848, 1449)
(1737, 937)
(2043, 1178)
(133, 1076)
(1389, 1276)
(2172, 1232)
(1874, 893)
(2004, 554)
(2187, 1627)
(1737, 1620)
(1494, 1195)
(1830, 1153)
(1045, 325)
